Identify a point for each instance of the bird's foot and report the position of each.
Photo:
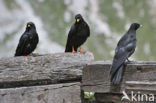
(82, 51)
(73, 51)
(128, 60)
(26, 56)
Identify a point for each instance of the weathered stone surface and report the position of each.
(46, 69)
(57, 93)
(138, 76)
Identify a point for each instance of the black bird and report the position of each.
(77, 35)
(125, 48)
(28, 41)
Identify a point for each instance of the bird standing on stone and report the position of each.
(78, 34)
(28, 41)
(125, 48)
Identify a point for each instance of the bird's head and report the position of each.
(78, 18)
(135, 26)
(30, 25)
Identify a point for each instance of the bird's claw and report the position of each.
(128, 60)
(73, 51)
(82, 51)
(26, 56)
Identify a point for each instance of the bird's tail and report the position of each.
(116, 78)
(16, 54)
(68, 49)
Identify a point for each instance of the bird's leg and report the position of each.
(26, 56)
(128, 60)
(81, 50)
(73, 51)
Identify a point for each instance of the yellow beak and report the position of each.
(28, 25)
(77, 20)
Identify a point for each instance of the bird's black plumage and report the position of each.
(125, 48)
(28, 41)
(78, 34)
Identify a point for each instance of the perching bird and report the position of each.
(28, 41)
(78, 34)
(125, 48)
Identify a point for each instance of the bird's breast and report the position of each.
(82, 31)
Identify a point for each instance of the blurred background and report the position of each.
(108, 21)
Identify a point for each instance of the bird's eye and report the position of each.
(29, 25)
(78, 20)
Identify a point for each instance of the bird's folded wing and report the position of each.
(120, 56)
(70, 35)
(22, 43)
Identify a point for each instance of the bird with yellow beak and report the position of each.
(78, 34)
(28, 41)
(29, 26)
(77, 20)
